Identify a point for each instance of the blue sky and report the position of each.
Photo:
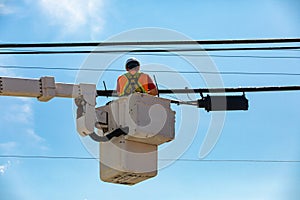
(270, 130)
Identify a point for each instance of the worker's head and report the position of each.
(132, 63)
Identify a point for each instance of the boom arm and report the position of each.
(45, 89)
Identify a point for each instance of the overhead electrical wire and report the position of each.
(163, 159)
(159, 50)
(35, 52)
(108, 93)
(153, 71)
(197, 55)
(155, 43)
(171, 54)
(234, 160)
(133, 47)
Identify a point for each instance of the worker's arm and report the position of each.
(118, 89)
(152, 90)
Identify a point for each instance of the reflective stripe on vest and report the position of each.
(133, 85)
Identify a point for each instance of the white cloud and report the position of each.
(17, 112)
(75, 16)
(8, 146)
(36, 140)
(4, 167)
(6, 10)
(20, 111)
(6, 60)
(32, 135)
(6, 72)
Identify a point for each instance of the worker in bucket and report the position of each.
(134, 80)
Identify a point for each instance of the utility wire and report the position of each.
(195, 55)
(164, 159)
(235, 161)
(146, 50)
(212, 90)
(249, 56)
(155, 71)
(154, 43)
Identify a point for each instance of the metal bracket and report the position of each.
(47, 85)
(116, 133)
(86, 112)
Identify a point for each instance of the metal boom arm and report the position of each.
(45, 89)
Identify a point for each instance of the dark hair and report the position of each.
(132, 64)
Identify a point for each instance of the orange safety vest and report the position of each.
(131, 83)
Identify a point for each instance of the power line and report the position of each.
(155, 71)
(48, 157)
(60, 68)
(164, 55)
(238, 89)
(197, 55)
(139, 43)
(33, 52)
(164, 159)
(235, 161)
(254, 56)
(218, 56)
(107, 93)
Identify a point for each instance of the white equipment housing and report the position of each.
(132, 158)
(127, 162)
